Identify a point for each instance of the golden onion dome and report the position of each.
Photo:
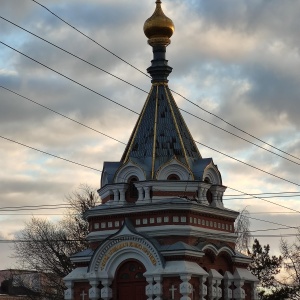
(158, 27)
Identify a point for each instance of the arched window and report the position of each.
(207, 180)
(132, 190)
(209, 196)
(173, 177)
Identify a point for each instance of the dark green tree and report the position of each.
(265, 267)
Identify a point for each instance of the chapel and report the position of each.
(162, 231)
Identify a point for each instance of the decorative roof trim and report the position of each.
(155, 134)
(186, 127)
(135, 130)
(173, 161)
(177, 129)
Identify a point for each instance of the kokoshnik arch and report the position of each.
(162, 231)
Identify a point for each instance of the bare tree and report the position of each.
(46, 247)
(242, 228)
(291, 256)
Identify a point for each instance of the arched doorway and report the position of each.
(129, 281)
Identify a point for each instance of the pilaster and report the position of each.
(185, 287)
(94, 291)
(106, 291)
(149, 287)
(157, 288)
(202, 287)
(69, 292)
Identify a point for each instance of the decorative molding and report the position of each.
(129, 169)
(173, 167)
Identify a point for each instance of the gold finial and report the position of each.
(159, 28)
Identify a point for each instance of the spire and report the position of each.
(158, 29)
(160, 133)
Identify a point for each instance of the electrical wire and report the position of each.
(238, 160)
(282, 196)
(257, 194)
(125, 81)
(136, 113)
(216, 116)
(58, 113)
(283, 206)
(208, 235)
(94, 41)
(65, 76)
(53, 155)
(73, 162)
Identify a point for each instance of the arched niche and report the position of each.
(212, 175)
(174, 169)
(129, 170)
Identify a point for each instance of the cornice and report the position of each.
(173, 204)
(170, 230)
(183, 253)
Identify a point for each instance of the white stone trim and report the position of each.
(173, 167)
(128, 170)
(124, 245)
(165, 204)
(166, 230)
(212, 173)
(218, 251)
(77, 274)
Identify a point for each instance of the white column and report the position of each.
(217, 193)
(122, 195)
(157, 288)
(185, 287)
(202, 195)
(219, 289)
(147, 193)
(69, 293)
(106, 291)
(239, 292)
(149, 287)
(116, 196)
(212, 290)
(141, 193)
(214, 281)
(202, 287)
(94, 291)
(254, 293)
(228, 279)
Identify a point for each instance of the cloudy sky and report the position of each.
(237, 59)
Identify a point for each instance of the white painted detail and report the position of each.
(128, 170)
(173, 167)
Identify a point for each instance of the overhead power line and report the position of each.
(252, 197)
(94, 41)
(58, 113)
(205, 110)
(259, 194)
(82, 165)
(125, 81)
(263, 199)
(78, 83)
(53, 155)
(72, 54)
(238, 160)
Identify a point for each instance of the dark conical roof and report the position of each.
(161, 133)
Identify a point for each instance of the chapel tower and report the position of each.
(162, 231)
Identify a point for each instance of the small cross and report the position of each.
(82, 295)
(172, 290)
